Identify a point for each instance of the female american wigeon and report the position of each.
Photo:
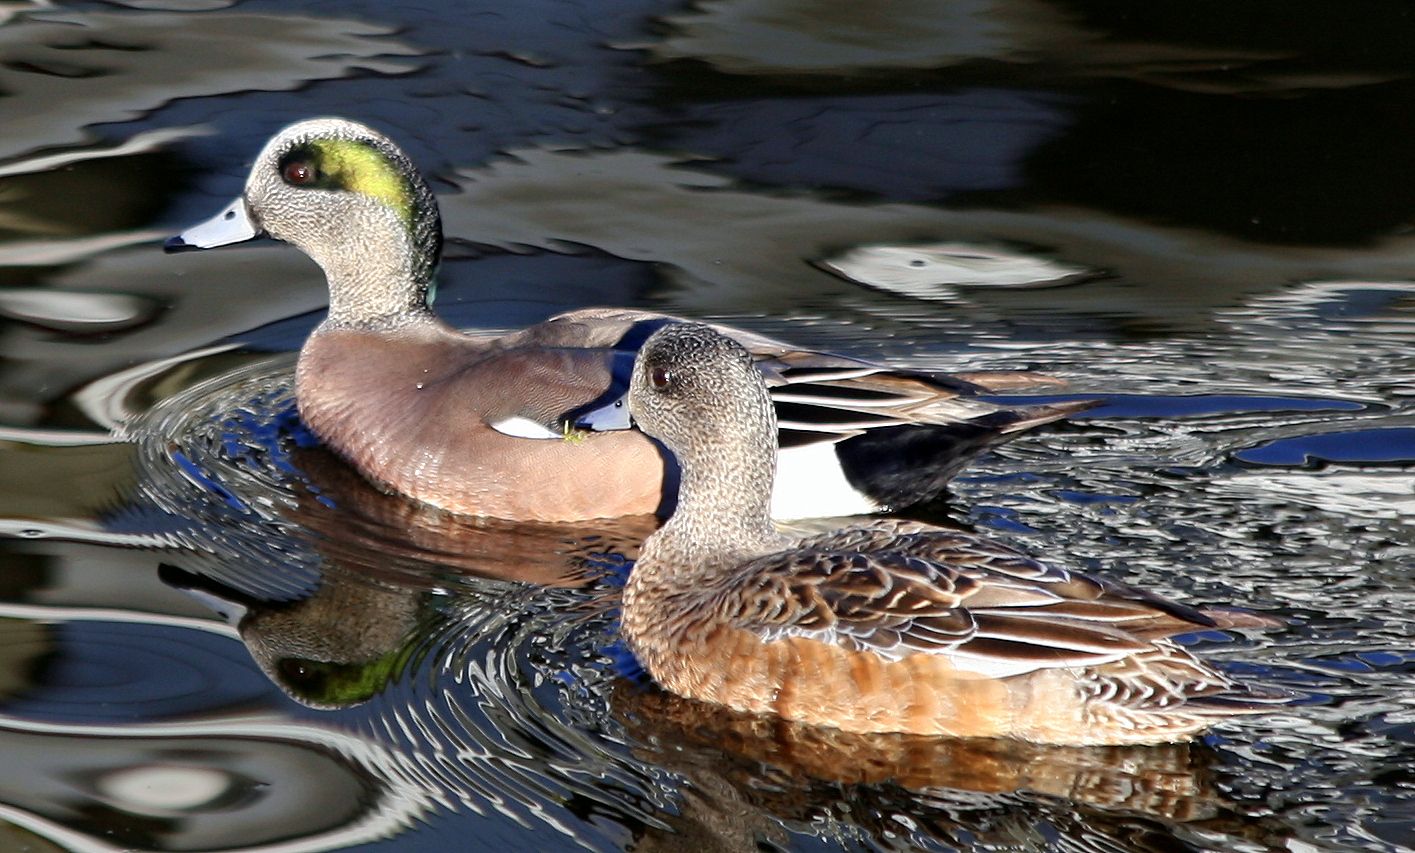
(476, 425)
(894, 626)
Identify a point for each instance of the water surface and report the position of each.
(213, 636)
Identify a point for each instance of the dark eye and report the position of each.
(659, 377)
(298, 172)
(298, 671)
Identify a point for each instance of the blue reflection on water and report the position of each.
(97, 672)
(1193, 405)
(1396, 444)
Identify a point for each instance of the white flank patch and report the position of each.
(989, 667)
(519, 427)
(992, 667)
(810, 483)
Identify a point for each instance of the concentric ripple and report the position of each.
(95, 672)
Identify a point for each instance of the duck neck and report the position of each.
(380, 269)
(369, 289)
(723, 515)
(375, 296)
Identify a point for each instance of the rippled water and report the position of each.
(214, 636)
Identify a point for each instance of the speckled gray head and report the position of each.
(699, 393)
(693, 387)
(351, 200)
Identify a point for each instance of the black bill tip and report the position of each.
(172, 245)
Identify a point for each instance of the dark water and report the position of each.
(213, 636)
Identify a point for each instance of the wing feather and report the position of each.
(911, 589)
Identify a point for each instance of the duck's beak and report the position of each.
(222, 600)
(610, 416)
(232, 225)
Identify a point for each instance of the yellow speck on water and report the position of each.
(361, 168)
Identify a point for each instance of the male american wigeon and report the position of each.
(893, 626)
(476, 424)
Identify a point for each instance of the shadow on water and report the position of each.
(213, 635)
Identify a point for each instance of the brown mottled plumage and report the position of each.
(475, 424)
(893, 626)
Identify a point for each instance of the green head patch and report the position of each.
(351, 165)
(332, 684)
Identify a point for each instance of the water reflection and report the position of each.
(726, 246)
(514, 692)
(110, 66)
(1242, 189)
(334, 649)
(191, 787)
(748, 774)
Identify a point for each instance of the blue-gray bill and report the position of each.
(611, 416)
(231, 225)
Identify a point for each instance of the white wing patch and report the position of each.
(519, 427)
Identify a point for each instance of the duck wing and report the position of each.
(895, 605)
(529, 391)
(1144, 614)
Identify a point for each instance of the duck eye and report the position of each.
(659, 377)
(298, 173)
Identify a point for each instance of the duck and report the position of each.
(480, 424)
(892, 625)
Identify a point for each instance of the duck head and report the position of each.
(351, 200)
(698, 392)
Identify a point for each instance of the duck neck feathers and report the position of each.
(376, 286)
(723, 515)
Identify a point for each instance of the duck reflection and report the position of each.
(741, 780)
(749, 776)
(354, 635)
(359, 527)
(391, 574)
(337, 648)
